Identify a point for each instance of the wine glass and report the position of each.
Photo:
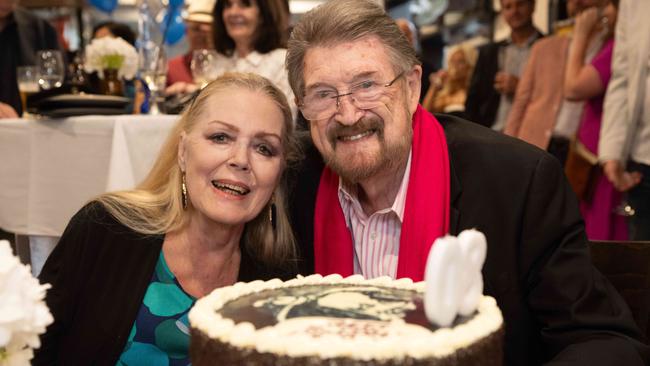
(27, 79)
(153, 71)
(204, 66)
(51, 69)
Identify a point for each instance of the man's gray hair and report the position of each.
(338, 21)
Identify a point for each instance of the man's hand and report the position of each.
(621, 179)
(7, 111)
(505, 83)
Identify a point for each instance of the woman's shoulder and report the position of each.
(96, 217)
(95, 220)
(93, 212)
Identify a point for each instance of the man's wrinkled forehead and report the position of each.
(345, 60)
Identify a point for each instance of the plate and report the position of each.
(81, 101)
(83, 111)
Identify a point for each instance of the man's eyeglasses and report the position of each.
(322, 103)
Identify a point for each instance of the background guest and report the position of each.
(540, 115)
(114, 29)
(253, 35)
(448, 88)
(411, 32)
(199, 36)
(492, 87)
(21, 35)
(625, 133)
(250, 36)
(131, 264)
(588, 82)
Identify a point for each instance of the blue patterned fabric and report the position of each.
(161, 331)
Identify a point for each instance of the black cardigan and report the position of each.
(556, 306)
(99, 273)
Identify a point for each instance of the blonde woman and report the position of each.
(448, 90)
(211, 212)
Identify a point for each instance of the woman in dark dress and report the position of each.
(211, 212)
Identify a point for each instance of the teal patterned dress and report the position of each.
(160, 334)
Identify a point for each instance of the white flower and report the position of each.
(108, 52)
(23, 313)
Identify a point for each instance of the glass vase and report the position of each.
(111, 83)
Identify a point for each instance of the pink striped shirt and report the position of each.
(376, 238)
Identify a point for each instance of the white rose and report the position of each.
(23, 313)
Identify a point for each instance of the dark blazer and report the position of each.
(34, 34)
(483, 100)
(556, 306)
(99, 272)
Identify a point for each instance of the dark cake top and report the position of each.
(268, 307)
(333, 317)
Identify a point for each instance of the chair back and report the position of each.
(627, 266)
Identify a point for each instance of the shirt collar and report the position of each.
(350, 192)
(529, 41)
(254, 58)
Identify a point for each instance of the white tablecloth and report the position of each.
(50, 168)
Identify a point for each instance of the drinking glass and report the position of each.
(51, 69)
(153, 71)
(27, 79)
(204, 66)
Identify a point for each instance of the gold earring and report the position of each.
(183, 192)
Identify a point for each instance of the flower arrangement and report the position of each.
(111, 53)
(23, 313)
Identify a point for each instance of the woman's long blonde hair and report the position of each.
(155, 206)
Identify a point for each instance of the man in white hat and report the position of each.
(199, 36)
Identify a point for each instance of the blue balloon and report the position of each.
(104, 5)
(173, 26)
(176, 4)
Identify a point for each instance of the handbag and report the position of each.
(582, 170)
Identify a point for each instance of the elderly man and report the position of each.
(384, 178)
(493, 84)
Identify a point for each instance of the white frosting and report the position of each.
(454, 284)
(322, 337)
(342, 336)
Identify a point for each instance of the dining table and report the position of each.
(49, 168)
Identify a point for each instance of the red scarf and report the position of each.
(426, 214)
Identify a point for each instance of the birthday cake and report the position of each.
(339, 321)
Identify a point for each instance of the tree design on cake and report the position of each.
(367, 302)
